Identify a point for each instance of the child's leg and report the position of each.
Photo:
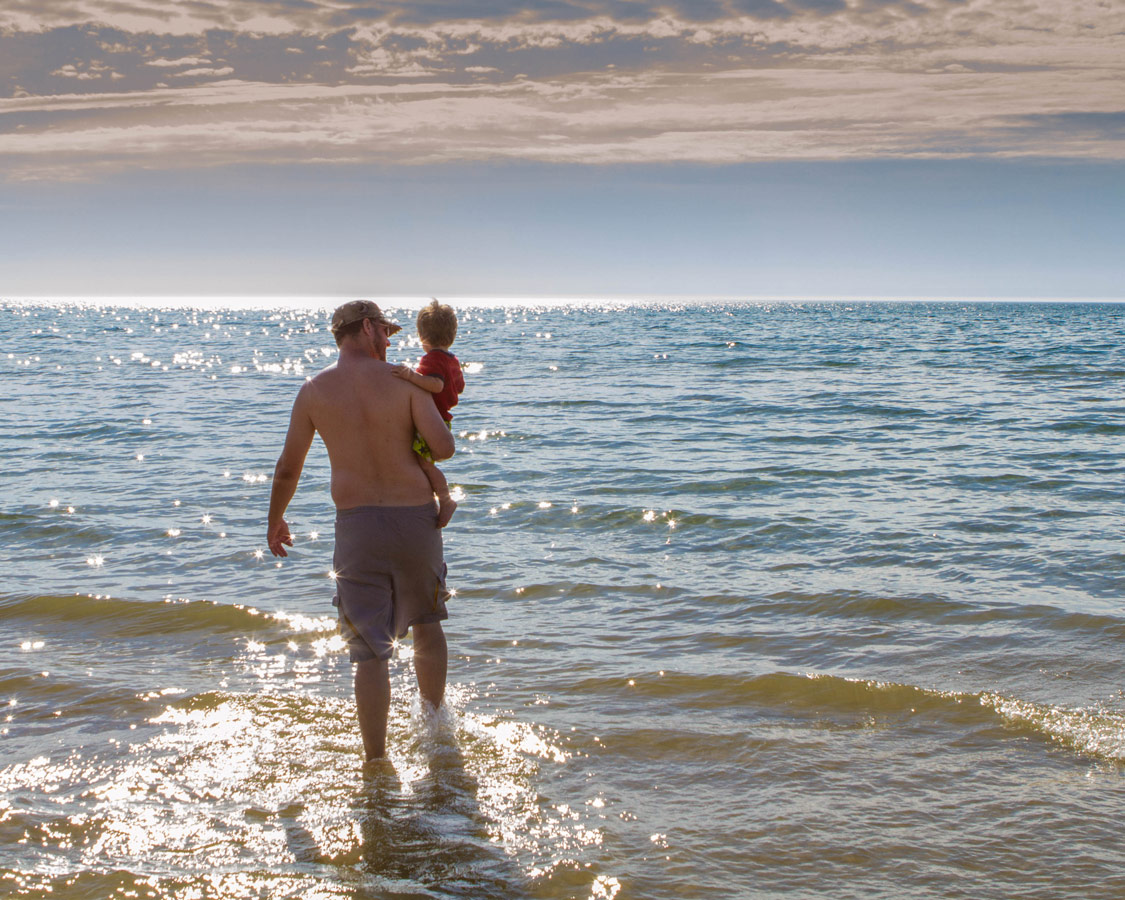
(446, 504)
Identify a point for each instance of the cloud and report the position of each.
(284, 15)
(205, 72)
(186, 61)
(595, 81)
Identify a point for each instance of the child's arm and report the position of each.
(431, 383)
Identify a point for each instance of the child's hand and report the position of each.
(402, 371)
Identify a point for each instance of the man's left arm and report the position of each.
(287, 472)
(429, 423)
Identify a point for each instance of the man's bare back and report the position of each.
(367, 419)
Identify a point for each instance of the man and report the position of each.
(390, 575)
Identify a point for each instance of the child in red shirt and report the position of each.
(439, 372)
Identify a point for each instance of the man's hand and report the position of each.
(277, 536)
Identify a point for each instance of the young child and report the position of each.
(439, 372)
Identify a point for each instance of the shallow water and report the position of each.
(752, 600)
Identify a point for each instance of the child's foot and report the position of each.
(447, 506)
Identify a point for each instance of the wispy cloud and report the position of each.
(93, 85)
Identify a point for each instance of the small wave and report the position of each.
(928, 608)
(49, 701)
(133, 618)
(61, 528)
(102, 433)
(852, 604)
(803, 474)
(1001, 480)
(570, 591)
(734, 363)
(1071, 370)
(742, 484)
(1080, 426)
(802, 440)
(583, 404)
(877, 410)
(1098, 733)
(1091, 732)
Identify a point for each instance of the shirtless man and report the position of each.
(390, 575)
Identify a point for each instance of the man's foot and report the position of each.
(378, 767)
(447, 506)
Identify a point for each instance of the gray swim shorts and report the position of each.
(390, 574)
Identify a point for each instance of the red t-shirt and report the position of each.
(445, 366)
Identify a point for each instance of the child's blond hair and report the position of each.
(437, 324)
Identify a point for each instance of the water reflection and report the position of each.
(429, 830)
(255, 783)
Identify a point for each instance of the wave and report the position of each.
(49, 702)
(116, 432)
(135, 618)
(1093, 732)
(1085, 426)
(854, 604)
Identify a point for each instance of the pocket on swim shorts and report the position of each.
(442, 594)
(366, 618)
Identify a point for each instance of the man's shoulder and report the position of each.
(311, 383)
(345, 368)
(354, 375)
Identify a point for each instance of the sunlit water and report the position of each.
(809, 600)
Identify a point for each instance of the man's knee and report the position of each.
(372, 668)
(427, 636)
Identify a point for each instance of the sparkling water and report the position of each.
(752, 600)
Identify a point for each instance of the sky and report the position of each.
(563, 147)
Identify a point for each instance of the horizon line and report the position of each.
(329, 301)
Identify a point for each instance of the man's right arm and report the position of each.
(429, 423)
(287, 472)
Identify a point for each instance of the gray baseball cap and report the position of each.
(355, 310)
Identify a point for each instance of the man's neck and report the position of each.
(352, 351)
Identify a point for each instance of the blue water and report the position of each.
(753, 600)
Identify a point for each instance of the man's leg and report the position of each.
(373, 702)
(430, 661)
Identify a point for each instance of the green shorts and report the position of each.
(422, 448)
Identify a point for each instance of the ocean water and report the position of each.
(752, 600)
